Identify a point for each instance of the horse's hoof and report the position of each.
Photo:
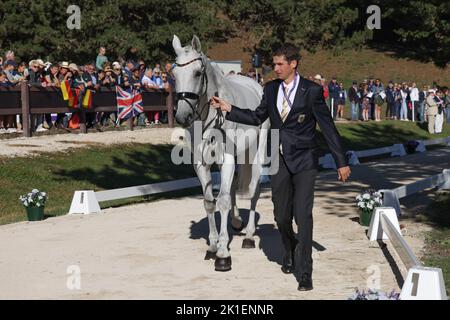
(223, 264)
(210, 255)
(237, 224)
(248, 244)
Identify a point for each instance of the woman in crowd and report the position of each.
(365, 102)
(379, 96)
(149, 84)
(341, 102)
(404, 107)
(52, 76)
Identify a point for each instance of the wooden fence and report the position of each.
(27, 100)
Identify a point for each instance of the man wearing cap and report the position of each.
(294, 106)
(431, 110)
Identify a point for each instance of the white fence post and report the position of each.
(84, 202)
(353, 161)
(390, 199)
(327, 161)
(446, 184)
(375, 229)
(421, 147)
(424, 283)
(398, 150)
(421, 283)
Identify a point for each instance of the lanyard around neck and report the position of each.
(287, 98)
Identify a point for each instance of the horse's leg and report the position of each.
(223, 260)
(236, 221)
(204, 175)
(254, 191)
(254, 187)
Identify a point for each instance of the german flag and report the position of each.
(73, 100)
(87, 99)
(66, 91)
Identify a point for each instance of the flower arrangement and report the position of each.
(35, 198)
(367, 202)
(374, 295)
(369, 199)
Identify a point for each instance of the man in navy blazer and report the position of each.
(294, 105)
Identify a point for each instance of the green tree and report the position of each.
(131, 28)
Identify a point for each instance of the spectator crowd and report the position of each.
(365, 100)
(401, 101)
(101, 73)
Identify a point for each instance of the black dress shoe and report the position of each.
(288, 264)
(305, 283)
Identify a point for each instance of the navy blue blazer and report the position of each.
(298, 132)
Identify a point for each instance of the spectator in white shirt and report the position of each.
(414, 96)
(147, 81)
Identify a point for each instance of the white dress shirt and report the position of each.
(280, 96)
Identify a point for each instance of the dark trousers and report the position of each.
(293, 197)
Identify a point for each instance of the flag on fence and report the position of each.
(66, 91)
(74, 98)
(129, 103)
(87, 99)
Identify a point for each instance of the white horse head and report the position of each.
(191, 80)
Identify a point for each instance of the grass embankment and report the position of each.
(103, 168)
(437, 249)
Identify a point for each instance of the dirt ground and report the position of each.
(156, 250)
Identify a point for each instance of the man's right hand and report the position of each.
(221, 104)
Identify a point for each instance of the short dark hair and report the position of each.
(289, 51)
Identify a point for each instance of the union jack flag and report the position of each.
(129, 103)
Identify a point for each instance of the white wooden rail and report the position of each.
(421, 283)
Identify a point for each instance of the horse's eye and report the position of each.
(198, 74)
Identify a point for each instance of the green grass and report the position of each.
(368, 135)
(437, 250)
(103, 168)
(93, 168)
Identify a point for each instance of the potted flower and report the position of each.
(374, 295)
(34, 203)
(367, 202)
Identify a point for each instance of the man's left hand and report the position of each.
(344, 173)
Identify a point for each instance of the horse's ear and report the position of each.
(196, 45)
(176, 43)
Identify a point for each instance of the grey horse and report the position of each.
(197, 81)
